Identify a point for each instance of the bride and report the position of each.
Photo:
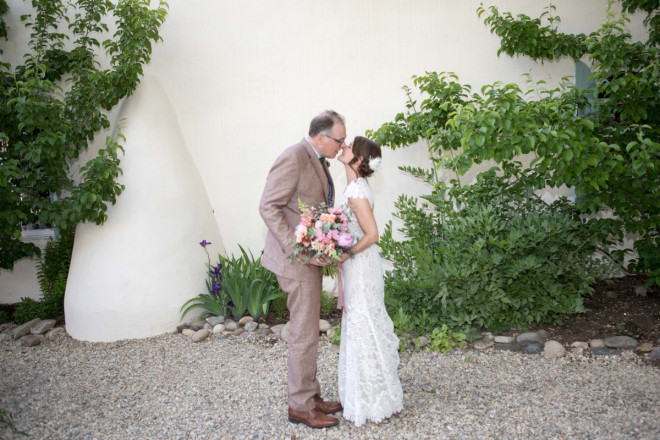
(369, 386)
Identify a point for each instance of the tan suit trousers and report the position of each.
(304, 304)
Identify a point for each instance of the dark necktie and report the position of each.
(322, 159)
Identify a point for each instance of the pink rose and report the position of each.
(301, 231)
(344, 240)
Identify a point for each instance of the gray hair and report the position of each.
(324, 122)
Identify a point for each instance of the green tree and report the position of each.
(604, 142)
(3, 27)
(53, 105)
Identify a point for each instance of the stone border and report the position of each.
(34, 332)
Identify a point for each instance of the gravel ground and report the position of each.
(170, 388)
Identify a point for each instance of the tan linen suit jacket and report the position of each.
(297, 174)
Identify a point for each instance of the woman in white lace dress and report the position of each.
(369, 386)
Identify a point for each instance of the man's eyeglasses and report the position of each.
(339, 141)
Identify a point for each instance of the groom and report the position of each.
(300, 173)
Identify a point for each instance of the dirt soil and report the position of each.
(614, 309)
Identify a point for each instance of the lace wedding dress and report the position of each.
(369, 386)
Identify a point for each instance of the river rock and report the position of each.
(483, 344)
(284, 333)
(525, 338)
(24, 329)
(553, 349)
(197, 325)
(244, 320)
(504, 339)
(31, 340)
(324, 326)
(54, 333)
(200, 335)
(533, 348)
(215, 320)
(7, 326)
(645, 347)
(602, 351)
(544, 334)
(513, 346)
(277, 329)
(641, 290)
(577, 350)
(621, 342)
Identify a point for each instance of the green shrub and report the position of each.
(443, 339)
(328, 303)
(336, 338)
(487, 255)
(27, 310)
(278, 305)
(53, 271)
(4, 317)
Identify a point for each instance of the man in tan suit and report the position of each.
(300, 173)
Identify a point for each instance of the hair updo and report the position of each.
(366, 149)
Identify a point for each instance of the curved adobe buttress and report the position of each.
(130, 276)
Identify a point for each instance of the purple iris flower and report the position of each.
(231, 304)
(204, 243)
(215, 289)
(216, 270)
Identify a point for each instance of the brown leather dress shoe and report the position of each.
(312, 418)
(326, 407)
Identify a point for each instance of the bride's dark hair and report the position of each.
(366, 149)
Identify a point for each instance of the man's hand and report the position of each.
(313, 261)
(316, 262)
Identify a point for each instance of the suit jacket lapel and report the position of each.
(321, 170)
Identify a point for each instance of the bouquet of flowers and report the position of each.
(322, 233)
